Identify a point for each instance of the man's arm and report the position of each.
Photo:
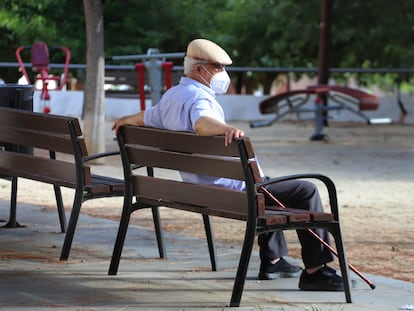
(136, 119)
(206, 126)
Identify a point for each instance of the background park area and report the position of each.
(370, 46)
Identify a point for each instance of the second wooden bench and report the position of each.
(51, 149)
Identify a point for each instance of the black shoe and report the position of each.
(325, 279)
(281, 269)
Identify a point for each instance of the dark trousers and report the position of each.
(302, 195)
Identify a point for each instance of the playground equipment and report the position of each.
(40, 64)
(154, 63)
(338, 98)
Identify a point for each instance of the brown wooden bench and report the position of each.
(54, 152)
(180, 151)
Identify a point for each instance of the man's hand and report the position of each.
(231, 133)
(136, 119)
(118, 123)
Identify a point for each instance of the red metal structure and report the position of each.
(141, 67)
(40, 64)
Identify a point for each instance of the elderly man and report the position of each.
(191, 106)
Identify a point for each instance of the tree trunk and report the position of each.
(94, 93)
(324, 50)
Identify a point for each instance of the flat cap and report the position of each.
(206, 50)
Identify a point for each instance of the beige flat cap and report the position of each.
(206, 50)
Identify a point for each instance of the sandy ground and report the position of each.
(372, 167)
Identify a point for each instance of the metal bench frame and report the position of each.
(181, 151)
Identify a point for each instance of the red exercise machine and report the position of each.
(155, 80)
(40, 64)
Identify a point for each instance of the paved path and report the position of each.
(32, 277)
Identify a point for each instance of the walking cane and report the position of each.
(372, 285)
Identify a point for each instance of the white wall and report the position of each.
(69, 103)
(236, 107)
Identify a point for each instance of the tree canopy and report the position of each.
(260, 33)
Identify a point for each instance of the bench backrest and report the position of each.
(186, 152)
(48, 135)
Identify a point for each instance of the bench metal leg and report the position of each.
(12, 223)
(158, 231)
(119, 242)
(73, 220)
(210, 242)
(336, 233)
(243, 265)
(60, 208)
(59, 201)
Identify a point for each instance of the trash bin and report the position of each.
(16, 96)
(20, 97)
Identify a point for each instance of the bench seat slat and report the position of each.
(201, 196)
(291, 216)
(44, 140)
(312, 216)
(192, 163)
(322, 217)
(38, 121)
(270, 220)
(104, 184)
(178, 141)
(225, 212)
(57, 172)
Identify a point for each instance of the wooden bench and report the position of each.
(56, 155)
(180, 151)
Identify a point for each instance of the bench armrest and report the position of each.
(100, 155)
(333, 200)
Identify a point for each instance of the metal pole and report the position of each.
(148, 56)
(324, 42)
(321, 114)
(153, 67)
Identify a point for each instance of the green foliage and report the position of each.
(57, 23)
(23, 22)
(167, 26)
(267, 33)
(260, 33)
(375, 33)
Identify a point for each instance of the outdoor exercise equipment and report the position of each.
(40, 64)
(281, 205)
(153, 63)
(326, 98)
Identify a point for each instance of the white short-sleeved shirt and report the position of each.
(179, 109)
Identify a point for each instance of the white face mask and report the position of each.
(219, 82)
